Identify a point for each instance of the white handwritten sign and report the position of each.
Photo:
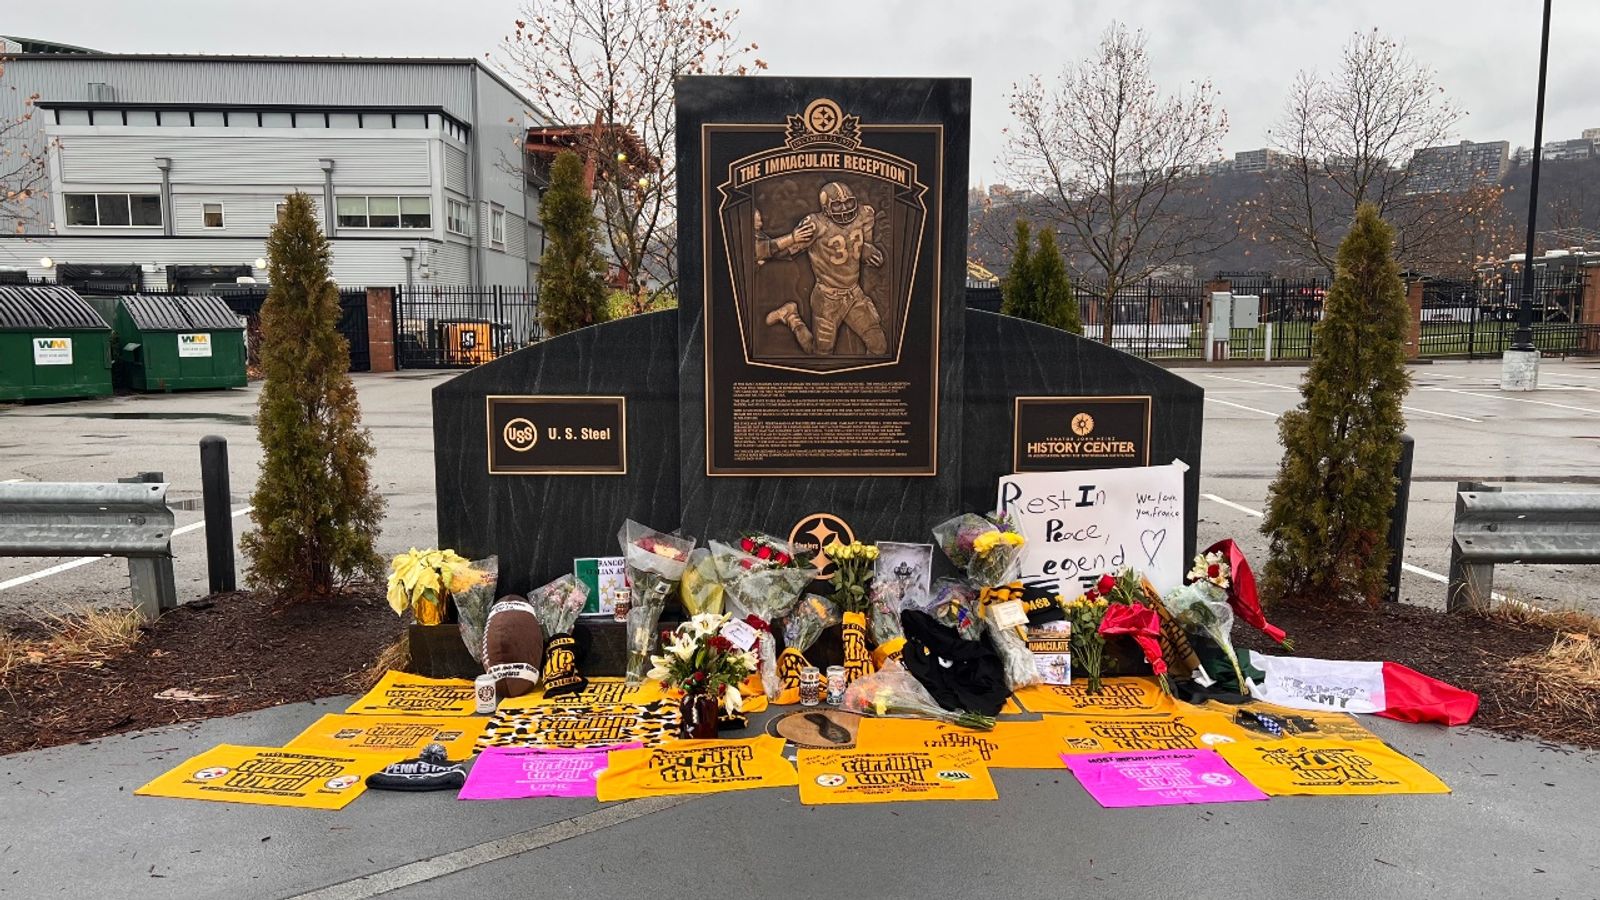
(1080, 525)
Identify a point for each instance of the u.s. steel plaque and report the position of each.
(822, 264)
(543, 434)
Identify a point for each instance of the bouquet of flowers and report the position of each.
(1202, 606)
(1088, 644)
(655, 564)
(702, 591)
(853, 565)
(1131, 611)
(472, 605)
(556, 606)
(955, 604)
(893, 692)
(883, 623)
(424, 580)
(811, 617)
(1010, 641)
(697, 660)
(990, 554)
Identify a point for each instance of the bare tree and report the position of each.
(1109, 155)
(23, 156)
(610, 67)
(1350, 138)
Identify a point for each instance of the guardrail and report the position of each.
(1527, 527)
(75, 519)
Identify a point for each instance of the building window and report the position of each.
(497, 226)
(456, 218)
(383, 212)
(211, 215)
(114, 210)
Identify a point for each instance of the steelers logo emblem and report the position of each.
(211, 773)
(1216, 779)
(823, 116)
(955, 776)
(340, 782)
(817, 531)
(830, 779)
(1082, 424)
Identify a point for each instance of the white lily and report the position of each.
(731, 699)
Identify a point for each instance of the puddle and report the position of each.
(226, 418)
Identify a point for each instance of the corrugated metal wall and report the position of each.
(246, 158)
(455, 169)
(355, 263)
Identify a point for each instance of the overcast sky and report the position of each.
(1486, 53)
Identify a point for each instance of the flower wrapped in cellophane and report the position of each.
(1005, 620)
(883, 623)
(955, 604)
(1088, 644)
(655, 562)
(893, 692)
(472, 604)
(1202, 606)
(556, 606)
(990, 554)
(701, 590)
(812, 616)
(763, 580)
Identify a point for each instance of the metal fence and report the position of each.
(1155, 319)
(457, 326)
(1477, 318)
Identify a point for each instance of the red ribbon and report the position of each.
(1143, 625)
(1241, 592)
(758, 623)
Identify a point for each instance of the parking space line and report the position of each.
(1279, 387)
(71, 564)
(1483, 396)
(1243, 407)
(1415, 570)
(12, 480)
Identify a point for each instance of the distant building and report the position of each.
(1263, 160)
(168, 171)
(1555, 151)
(1592, 135)
(1458, 167)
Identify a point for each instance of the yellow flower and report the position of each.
(1012, 538)
(833, 549)
(872, 552)
(985, 542)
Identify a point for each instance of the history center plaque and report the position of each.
(1059, 434)
(822, 263)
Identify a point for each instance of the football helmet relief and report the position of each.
(839, 202)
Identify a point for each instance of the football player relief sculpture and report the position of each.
(829, 241)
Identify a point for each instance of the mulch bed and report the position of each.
(1461, 649)
(248, 652)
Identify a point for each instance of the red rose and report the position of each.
(1213, 570)
(747, 544)
(1091, 595)
(720, 643)
(666, 636)
(784, 559)
(698, 677)
(756, 622)
(1106, 584)
(763, 552)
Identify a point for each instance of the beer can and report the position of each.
(483, 688)
(810, 686)
(623, 603)
(835, 685)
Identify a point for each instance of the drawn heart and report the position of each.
(1150, 541)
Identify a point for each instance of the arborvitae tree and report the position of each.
(316, 510)
(1036, 288)
(1328, 509)
(1017, 288)
(572, 286)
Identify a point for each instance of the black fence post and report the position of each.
(1397, 515)
(219, 518)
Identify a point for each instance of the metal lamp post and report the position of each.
(1519, 368)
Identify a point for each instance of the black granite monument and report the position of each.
(822, 374)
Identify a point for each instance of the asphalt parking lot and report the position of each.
(1465, 429)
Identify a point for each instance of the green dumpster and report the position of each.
(52, 345)
(178, 342)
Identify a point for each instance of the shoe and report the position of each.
(782, 313)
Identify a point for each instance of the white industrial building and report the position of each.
(169, 170)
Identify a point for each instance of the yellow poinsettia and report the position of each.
(420, 579)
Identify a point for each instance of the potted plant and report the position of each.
(424, 580)
(706, 667)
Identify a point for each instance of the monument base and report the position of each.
(1519, 370)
